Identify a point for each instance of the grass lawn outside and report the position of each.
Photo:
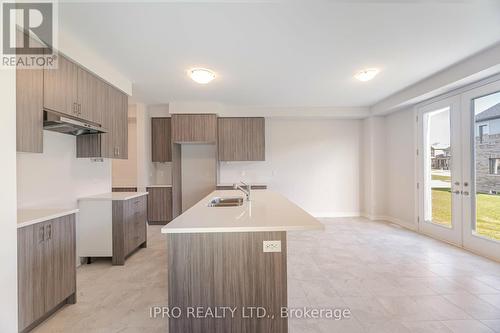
(488, 212)
(441, 177)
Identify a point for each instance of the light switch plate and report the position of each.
(271, 246)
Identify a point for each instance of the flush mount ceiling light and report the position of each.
(366, 74)
(201, 75)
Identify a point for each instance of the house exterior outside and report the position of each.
(487, 144)
(440, 158)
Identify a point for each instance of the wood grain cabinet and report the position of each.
(194, 128)
(114, 143)
(72, 90)
(46, 269)
(29, 106)
(113, 225)
(119, 112)
(90, 104)
(159, 205)
(60, 87)
(161, 147)
(241, 139)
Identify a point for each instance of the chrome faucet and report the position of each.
(247, 191)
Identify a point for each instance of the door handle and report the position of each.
(466, 193)
(456, 192)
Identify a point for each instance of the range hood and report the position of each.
(57, 122)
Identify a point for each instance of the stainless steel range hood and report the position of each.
(57, 122)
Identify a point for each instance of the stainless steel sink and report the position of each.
(226, 202)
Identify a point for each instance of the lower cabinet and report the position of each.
(46, 269)
(159, 205)
(114, 226)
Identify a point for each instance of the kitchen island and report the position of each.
(227, 265)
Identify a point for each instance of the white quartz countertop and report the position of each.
(137, 186)
(26, 217)
(115, 196)
(267, 211)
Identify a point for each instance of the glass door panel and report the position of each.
(439, 175)
(486, 167)
(437, 169)
(481, 169)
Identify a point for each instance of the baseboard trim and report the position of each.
(391, 219)
(336, 214)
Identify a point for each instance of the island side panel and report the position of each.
(227, 270)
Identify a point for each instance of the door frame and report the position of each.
(476, 243)
(451, 235)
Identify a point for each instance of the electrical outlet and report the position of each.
(271, 246)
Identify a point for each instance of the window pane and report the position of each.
(487, 166)
(438, 167)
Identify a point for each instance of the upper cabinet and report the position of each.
(60, 88)
(114, 143)
(72, 90)
(29, 105)
(241, 139)
(194, 128)
(119, 110)
(161, 147)
(88, 102)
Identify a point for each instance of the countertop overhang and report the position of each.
(266, 211)
(114, 196)
(26, 217)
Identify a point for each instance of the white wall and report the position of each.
(8, 222)
(199, 172)
(57, 178)
(400, 167)
(313, 162)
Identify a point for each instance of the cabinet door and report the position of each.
(140, 221)
(90, 107)
(29, 110)
(241, 139)
(159, 204)
(99, 145)
(60, 87)
(59, 258)
(119, 109)
(30, 243)
(161, 148)
(200, 128)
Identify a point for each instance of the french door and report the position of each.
(440, 185)
(459, 169)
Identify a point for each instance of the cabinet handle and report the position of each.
(74, 108)
(49, 231)
(41, 234)
(80, 109)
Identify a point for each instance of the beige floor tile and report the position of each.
(467, 326)
(492, 324)
(392, 279)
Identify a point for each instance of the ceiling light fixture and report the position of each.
(201, 75)
(366, 74)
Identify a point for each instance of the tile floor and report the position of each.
(391, 279)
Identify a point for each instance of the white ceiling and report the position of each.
(285, 53)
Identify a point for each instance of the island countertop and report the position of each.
(267, 211)
(114, 196)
